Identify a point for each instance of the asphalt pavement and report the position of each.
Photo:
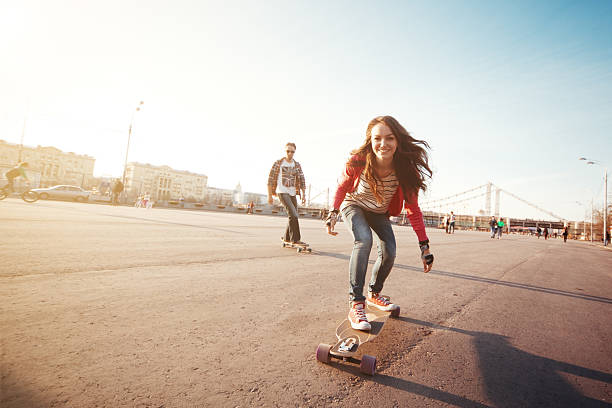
(119, 306)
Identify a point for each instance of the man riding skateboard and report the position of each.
(286, 180)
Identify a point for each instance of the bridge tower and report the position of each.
(497, 193)
(488, 200)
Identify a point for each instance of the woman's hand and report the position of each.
(427, 259)
(330, 223)
(426, 256)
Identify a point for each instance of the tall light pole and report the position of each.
(128, 141)
(605, 209)
(584, 222)
(591, 218)
(23, 129)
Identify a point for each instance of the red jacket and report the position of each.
(349, 180)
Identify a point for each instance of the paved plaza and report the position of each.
(119, 306)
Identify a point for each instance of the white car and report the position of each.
(63, 192)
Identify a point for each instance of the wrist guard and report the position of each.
(429, 258)
(332, 217)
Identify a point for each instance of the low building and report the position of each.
(48, 166)
(164, 183)
(219, 196)
(241, 197)
(256, 198)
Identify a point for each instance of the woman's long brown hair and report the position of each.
(410, 161)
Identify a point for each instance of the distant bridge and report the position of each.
(486, 191)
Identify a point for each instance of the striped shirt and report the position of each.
(364, 197)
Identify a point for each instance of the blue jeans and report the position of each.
(361, 223)
(292, 232)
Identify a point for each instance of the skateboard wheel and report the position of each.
(299, 250)
(368, 365)
(323, 354)
(396, 312)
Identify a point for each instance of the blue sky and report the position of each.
(507, 92)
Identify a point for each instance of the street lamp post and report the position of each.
(128, 142)
(605, 209)
(591, 218)
(584, 222)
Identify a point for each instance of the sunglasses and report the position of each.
(290, 151)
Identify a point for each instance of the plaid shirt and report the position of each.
(300, 181)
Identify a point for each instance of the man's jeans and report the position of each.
(493, 232)
(292, 232)
(361, 223)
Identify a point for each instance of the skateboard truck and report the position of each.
(300, 248)
(347, 345)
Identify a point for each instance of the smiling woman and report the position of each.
(383, 176)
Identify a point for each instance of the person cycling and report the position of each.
(15, 172)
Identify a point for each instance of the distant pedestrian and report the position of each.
(451, 225)
(117, 189)
(565, 233)
(493, 225)
(447, 223)
(138, 203)
(539, 232)
(607, 240)
(500, 227)
(146, 199)
(250, 207)
(286, 180)
(545, 233)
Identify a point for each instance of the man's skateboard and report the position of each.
(350, 339)
(299, 247)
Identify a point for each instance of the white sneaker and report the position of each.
(380, 302)
(358, 318)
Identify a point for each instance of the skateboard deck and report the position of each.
(300, 248)
(349, 340)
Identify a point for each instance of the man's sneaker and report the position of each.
(380, 302)
(357, 317)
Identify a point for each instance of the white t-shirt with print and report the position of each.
(286, 178)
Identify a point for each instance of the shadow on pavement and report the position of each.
(510, 284)
(162, 222)
(13, 395)
(514, 378)
(411, 387)
(481, 279)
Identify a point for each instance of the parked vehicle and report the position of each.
(63, 192)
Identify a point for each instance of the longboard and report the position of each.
(349, 340)
(300, 248)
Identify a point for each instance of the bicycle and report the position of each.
(28, 196)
